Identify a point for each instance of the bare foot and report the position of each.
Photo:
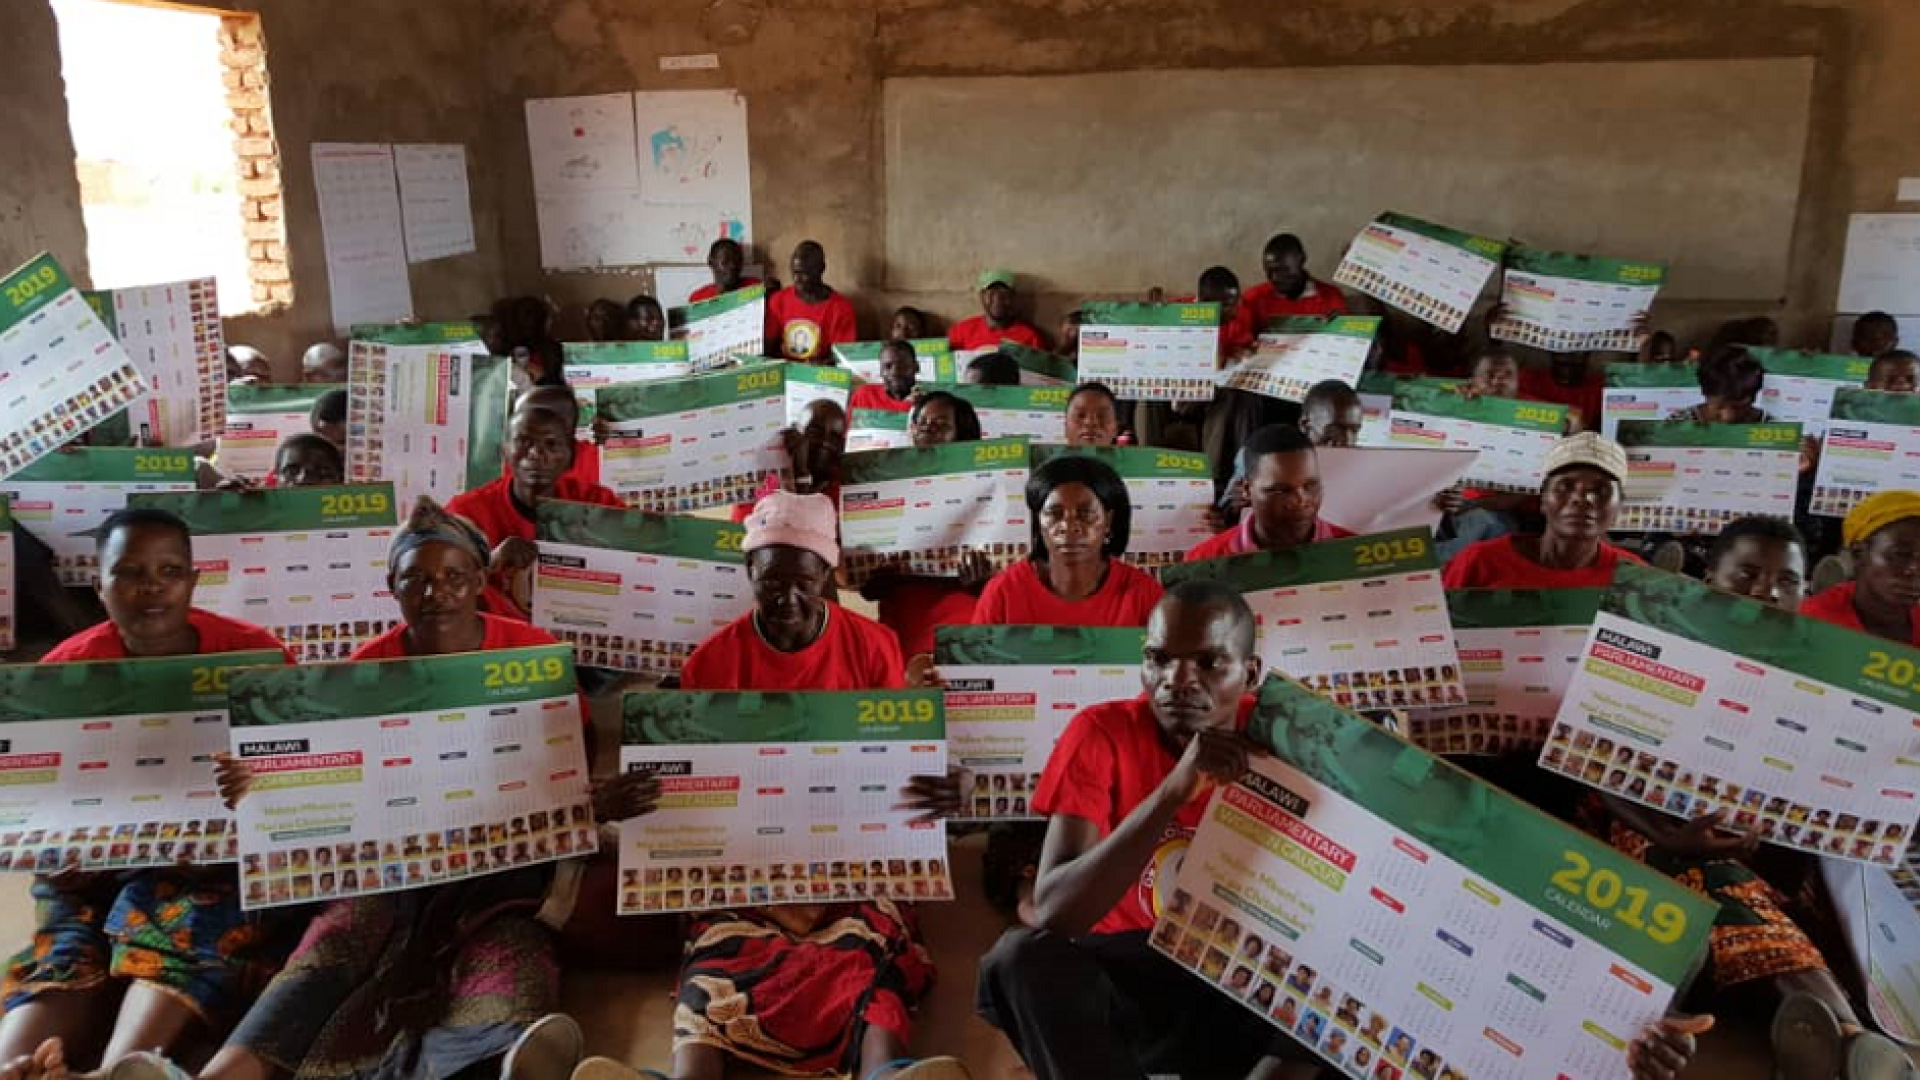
(48, 1062)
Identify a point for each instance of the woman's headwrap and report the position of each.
(1876, 512)
(431, 523)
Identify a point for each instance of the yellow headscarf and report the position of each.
(1876, 512)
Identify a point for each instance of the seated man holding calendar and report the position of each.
(423, 982)
(1580, 496)
(136, 959)
(540, 456)
(1084, 996)
(1283, 492)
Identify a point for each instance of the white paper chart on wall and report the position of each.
(361, 226)
(434, 199)
(695, 181)
(586, 180)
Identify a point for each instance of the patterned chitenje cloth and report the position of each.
(181, 931)
(800, 1004)
(421, 983)
(1753, 937)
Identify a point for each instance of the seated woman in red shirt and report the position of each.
(1093, 416)
(815, 989)
(473, 959)
(1579, 498)
(138, 959)
(539, 453)
(1073, 576)
(1284, 493)
(1883, 535)
(911, 605)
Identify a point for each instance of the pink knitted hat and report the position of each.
(808, 522)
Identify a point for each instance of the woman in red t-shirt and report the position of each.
(1579, 498)
(1882, 534)
(1073, 576)
(912, 605)
(494, 980)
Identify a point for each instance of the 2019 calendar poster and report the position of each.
(64, 371)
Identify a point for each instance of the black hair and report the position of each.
(1779, 530)
(329, 408)
(1095, 387)
(1101, 479)
(966, 420)
(1892, 356)
(307, 440)
(1327, 390)
(643, 301)
(1275, 439)
(996, 369)
(141, 517)
(810, 245)
(899, 344)
(724, 242)
(1285, 243)
(1876, 318)
(1213, 593)
(1731, 373)
(1218, 277)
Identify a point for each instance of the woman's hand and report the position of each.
(515, 553)
(922, 675)
(936, 797)
(1663, 1051)
(233, 777)
(629, 795)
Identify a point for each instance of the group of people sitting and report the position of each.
(155, 974)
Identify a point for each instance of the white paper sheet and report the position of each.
(673, 286)
(1370, 490)
(434, 199)
(361, 226)
(586, 181)
(696, 184)
(1882, 269)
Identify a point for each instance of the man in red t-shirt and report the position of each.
(1084, 995)
(1289, 289)
(806, 320)
(539, 457)
(899, 370)
(1283, 498)
(726, 259)
(998, 321)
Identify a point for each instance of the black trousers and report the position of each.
(1108, 1007)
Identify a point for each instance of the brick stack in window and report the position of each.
(243, 54)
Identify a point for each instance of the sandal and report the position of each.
(145, 1065)
(548, 1050)
(605, 1068)
(933, 1068)
(1807, 1041)
(1872, 1056)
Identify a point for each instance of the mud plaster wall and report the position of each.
(340, 71)
(813, 76)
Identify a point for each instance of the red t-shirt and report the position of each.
(977, 333)
(1018, 597)
(1537, 384)
(1239, 540)
(1834, 604)
(803, 331)
(875, 396)
(1109, 761)
(218, 634)
(1318, 298)
(852, 653)
(710, 290)
(915, 605)
(1497, 564)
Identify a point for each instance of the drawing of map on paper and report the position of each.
(696, 181)
(586, 181)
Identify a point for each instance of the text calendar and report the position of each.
(633, 591)
(1169, 492)
(781, 798)
(1039, 368)
(1879, 914)
(1567, 303)
(309, 564)
(1291, 355)
(1010, 693)
(259, 419)
(1872, 444)
(1151, 352)
(1038, 413)
(878, 429)
(592, 365)
(1689, 477)
(173, 332)
(62, 498)
(1404, 919)
(1691, 700)
(109, 764)
(1799, 386)
(687, 444)
(916, 511)
(1362, 620)
(724, 329)
(64, 371)
(1512, 436)
(426, 409)
(398, 774)
(1430, 271)
(933, 355)
(1518, 649)
(1646, 392)
(808, 383)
